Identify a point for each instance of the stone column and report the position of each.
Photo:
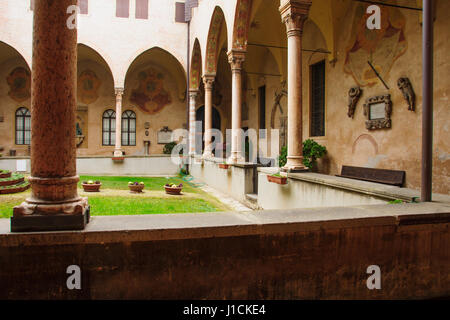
(192, 103)
(294, 15)
(236, 59)
(118, 148)
(208, 81)
(54, 203)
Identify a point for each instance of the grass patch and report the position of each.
(151, 183)
(131, 206)
(115, 198)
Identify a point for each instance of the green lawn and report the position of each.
(115, 198)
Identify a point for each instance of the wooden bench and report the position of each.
(390, 177)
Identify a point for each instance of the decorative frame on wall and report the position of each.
(378, 112)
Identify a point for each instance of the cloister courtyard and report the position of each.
(224, 149)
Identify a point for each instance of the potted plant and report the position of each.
(136, 187)
(224, 165)
(91, 186)
(173, 189)
(311, 152)
(277, 178)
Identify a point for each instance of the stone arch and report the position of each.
(102, 57)
(212, 45)
(196, 66)
(167, 61)
(241, 24)
(94, 75)
(14, 51)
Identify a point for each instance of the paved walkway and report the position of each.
(224, 198)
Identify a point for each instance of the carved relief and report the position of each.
(19, 81)
(378, 111)
(408, 93)
(277, 104)
(88, 85)
(353, 97)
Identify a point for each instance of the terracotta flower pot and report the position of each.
(224, 166)
(173, 190)
(275, 179)
(136, 188)
(91, 187)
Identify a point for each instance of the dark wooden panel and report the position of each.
(122, 8)
(384, 176)
(180, 12)
(84, 5)
(141, 9)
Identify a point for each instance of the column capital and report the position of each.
(193, 93)
(294, 14)
(208, 80)
(236, 59)
(119, 91)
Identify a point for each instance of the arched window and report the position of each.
(109, 128)
(128, 128)
(23, 126)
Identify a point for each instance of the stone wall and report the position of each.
(291, 254)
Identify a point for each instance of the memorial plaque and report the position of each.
(165, 136)
(377, 111)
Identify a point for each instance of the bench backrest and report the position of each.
(390, 177)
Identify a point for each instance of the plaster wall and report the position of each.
(235, 181)
(303, 194)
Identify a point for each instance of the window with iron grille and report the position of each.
(23, 126)
(141, 9)
(129, 128)
(109, 128)
(317, 116)
(122, 8)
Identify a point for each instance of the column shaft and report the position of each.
(236, 60)
(54, 203)
(118, 148)
(208, 81)
(192, 103)
(294, 14)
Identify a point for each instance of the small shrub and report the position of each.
(311, 152)
(168, 147)
(282, 159)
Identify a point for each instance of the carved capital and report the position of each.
(193, 94)
(236, 59)
(119, 92)
(208, 81)
(294, 14)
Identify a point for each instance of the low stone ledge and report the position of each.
(359, 186)
(110, 229)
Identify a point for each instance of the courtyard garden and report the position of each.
(115, 197)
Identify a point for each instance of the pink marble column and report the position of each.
(208, 81)
(118, 148)
(192, 104)
(294, 15)
(236, 59)
(54, 203)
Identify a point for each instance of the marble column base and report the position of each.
(236, 158)
(46, 216)
(294, 164)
